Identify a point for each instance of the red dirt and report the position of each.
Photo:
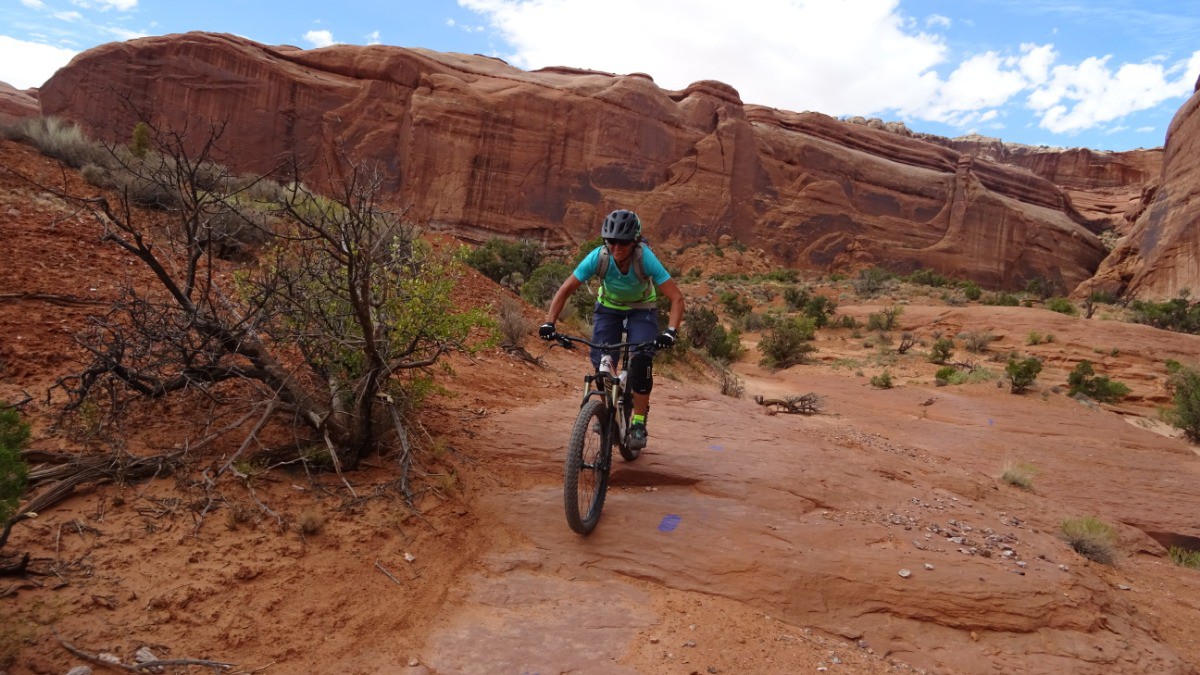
(791, 530)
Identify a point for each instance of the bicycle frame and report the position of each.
(612, 387)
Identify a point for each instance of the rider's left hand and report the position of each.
(667, 339)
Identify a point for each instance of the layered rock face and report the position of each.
(1160, 258)
(479, 148)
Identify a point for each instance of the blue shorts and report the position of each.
(608, 322)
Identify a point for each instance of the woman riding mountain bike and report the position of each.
(631, 279)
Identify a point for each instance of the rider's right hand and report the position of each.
(547, 332)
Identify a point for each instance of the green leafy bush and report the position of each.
(735, 304)
(1062, 306)
(1022, 373)
(540, 287)
(500, 260)
(1185, 387)
(1184, 557)
(1002, 299)
(14, 434)
(971, 290)
(882, 380)
(943, 375)
(1091, 538)
(787, 343)
(928, 277)
(941, 350)
(1083, 380)
(1177, 315)
(871, 280)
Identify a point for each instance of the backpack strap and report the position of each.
(639, 269)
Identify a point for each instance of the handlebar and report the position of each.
(566, 340)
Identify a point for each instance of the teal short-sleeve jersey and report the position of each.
(623, 290)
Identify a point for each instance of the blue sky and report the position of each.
(1102, 74)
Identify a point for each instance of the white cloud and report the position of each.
(372, 38)
(29, 64)
(67, 16)
(34, 4)
(319, 38)
(123, 33)
(841, 58)
(938, 21)
(119, 5)
(1090, 94)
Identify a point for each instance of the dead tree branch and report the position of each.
(808, 404)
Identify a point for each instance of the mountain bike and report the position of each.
(603, 422)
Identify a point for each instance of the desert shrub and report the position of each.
(1083, 380)
(1022, 373)
(512, 323)
(928, 277)
(14, 473)
(870, 281)
(1040, 288)
(1062, 306)
(971, 290)
(943, 375)
(1018, 475)
(941, 350)
(1091, 538)
(1104, 297)
(540, 287)
(977, 341)
(1178, 314)
(501, 260)
(1038, 338)
(882, 380)
(726, 345)
(783, 275)
(1184, 557)
(787, 343)
(1002, 299)
(700, 326)
(795, 297)
(731, 384)
(735, 304)
(885, 319)
(63, 141)
(1185, 413)
(846, 321)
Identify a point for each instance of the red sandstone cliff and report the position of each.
(15, 103)
(478, 147)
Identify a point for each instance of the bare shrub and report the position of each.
(512, 323)
(731, 384)
(977, 342)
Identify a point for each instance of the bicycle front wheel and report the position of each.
(585, 478)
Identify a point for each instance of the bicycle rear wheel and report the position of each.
(585, 477)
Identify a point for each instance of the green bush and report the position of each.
(971, 290)
(1083, 380)
(1185, 386)
(1022, 373)
(14, 434)
(63, 141)
(540, 287)
(1177, 315)
(1040, 288)
(787, 343)
(1018, 475)
(1062, 306)
(1091, 538)
(1002, 300)
(735, 304)
(500, 260)
(871, 280)
(941, 350)
(882, 381)
(928, 277)
(943, 375)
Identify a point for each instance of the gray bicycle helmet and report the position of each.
(621, 225)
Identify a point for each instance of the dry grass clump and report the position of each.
(1018, 475)
(1091, 538)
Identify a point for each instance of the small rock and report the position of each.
(905, 573)
(713, 670)
(1124, 587)
(80, 670)
(928, 566)
(690, 643)
(408, 557)
(1062, 567)
(108, 658)
(653, 640)
(414, 662)
(143, 655)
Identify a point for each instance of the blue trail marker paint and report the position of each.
(669, 523)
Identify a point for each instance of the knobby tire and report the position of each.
(585, 478)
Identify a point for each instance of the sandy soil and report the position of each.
(741, 542)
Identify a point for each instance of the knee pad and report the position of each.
(641, 373)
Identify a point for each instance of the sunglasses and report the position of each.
(618, 242)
